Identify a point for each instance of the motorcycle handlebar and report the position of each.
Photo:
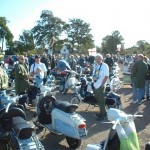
(16, 97)
(137, 116)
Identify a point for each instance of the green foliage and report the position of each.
(27, 40)
(110, 42)
(47, 27)
(78, 33)
(5, 33)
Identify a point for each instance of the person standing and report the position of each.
(46, 61)
(100, 76)
(73, 63)
(109, 61)
(138, 75)
(21, 80)
(147, 81)
(34, 72)
(38, 64)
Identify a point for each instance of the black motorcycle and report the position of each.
(84, 93)
(15, 132)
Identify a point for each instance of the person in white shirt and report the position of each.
(100, 76)
(36, 65)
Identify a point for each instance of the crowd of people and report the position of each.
(35, 69)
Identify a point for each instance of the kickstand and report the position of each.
(43, 134)
(88, 107)
(94, 105)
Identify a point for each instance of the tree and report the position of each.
(5, 33)
(47, 27)
(26, 40)
(110, 42)
(78, 33)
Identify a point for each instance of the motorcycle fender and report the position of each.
(67, 123)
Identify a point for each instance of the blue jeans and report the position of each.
(138, 93)
(147, 88)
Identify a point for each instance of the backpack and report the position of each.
(3, 79)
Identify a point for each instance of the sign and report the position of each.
(118, 47)
(92, 51)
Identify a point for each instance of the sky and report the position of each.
(129, 17)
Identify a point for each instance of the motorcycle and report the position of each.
(84, 93)
(15, 132)
(122, 135)
(60, 118)
(69, 80)
(113, 80)
(60, 77)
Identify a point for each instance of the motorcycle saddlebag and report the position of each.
(22, 128)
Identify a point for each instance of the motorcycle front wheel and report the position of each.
(73, 143)
(75, 100)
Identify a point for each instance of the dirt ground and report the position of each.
(98, 131)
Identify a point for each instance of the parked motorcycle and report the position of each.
(15, 132)
(122, 135)
(60, 77)
(113, 81)
(60, 118)
(84, 93)
(70, 78)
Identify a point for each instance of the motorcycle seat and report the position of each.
(65, 106)
(22, 128)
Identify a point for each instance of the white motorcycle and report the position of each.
(122, 135)
(60, 118)
(70, 82)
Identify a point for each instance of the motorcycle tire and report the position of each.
(46, 102)
(75, 100)
(73, 143)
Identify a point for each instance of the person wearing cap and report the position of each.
(34, 70)
(38, 64)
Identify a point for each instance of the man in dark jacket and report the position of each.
(21, 79)
(109, 61)
(45, 60)
(138, 75)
